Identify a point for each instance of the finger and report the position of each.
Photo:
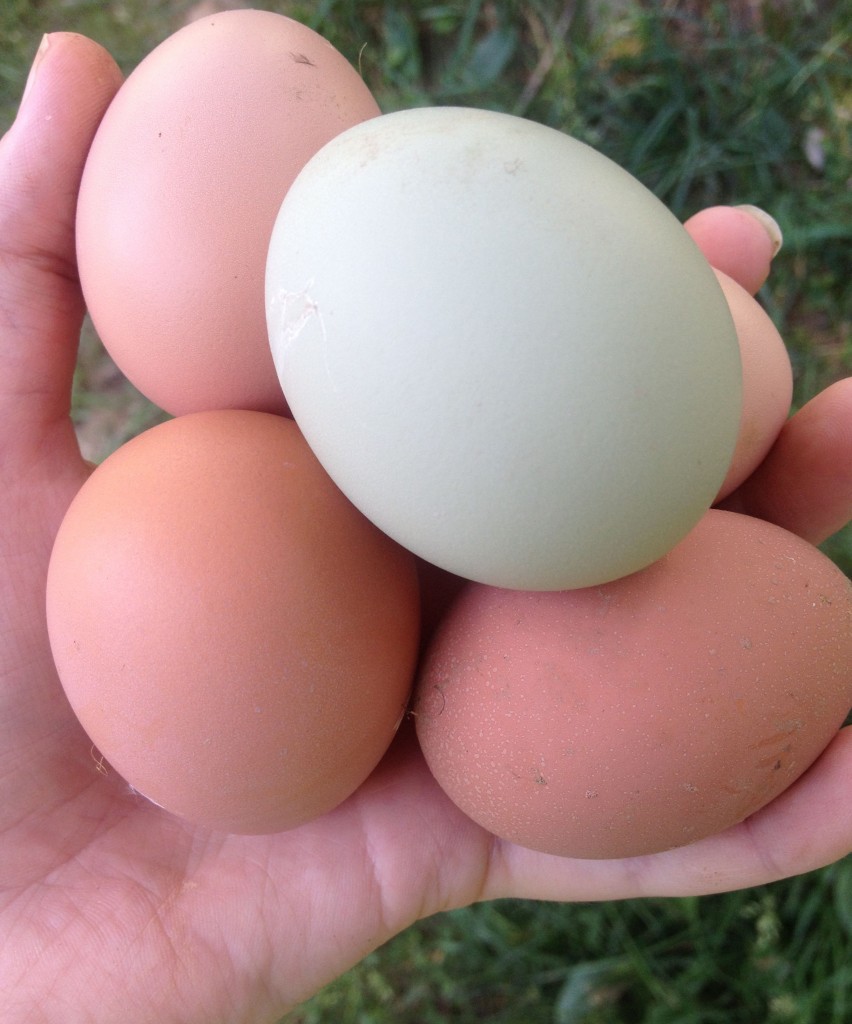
(805, 482)
(807, 827)
(41, 308)
(741, 241)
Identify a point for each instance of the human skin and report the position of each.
(111, 909)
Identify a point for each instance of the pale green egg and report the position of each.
(502, 347)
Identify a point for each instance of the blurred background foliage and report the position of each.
(747, 101)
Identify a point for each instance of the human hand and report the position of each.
(112, 909)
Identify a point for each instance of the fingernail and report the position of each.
(31, 77)
(769, 223)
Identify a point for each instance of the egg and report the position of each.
(179, 194)
(646, 713)
(767, 383)
(237, 640)
(502, 347)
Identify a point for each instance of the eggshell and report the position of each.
(180, 192)
(767, 383)
(502, 347)
(238, 641)
(647, 713)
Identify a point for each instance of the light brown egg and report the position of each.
(237, 640)
(767, 383)
(181, 189)
(646, 713)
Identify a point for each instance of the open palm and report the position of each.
(110, 909)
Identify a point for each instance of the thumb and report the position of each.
(41, 308)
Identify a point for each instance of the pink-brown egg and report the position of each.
(646, 713)
(237, 640)
(180, 192)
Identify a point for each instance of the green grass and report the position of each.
(767, 956)
(705, 105)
